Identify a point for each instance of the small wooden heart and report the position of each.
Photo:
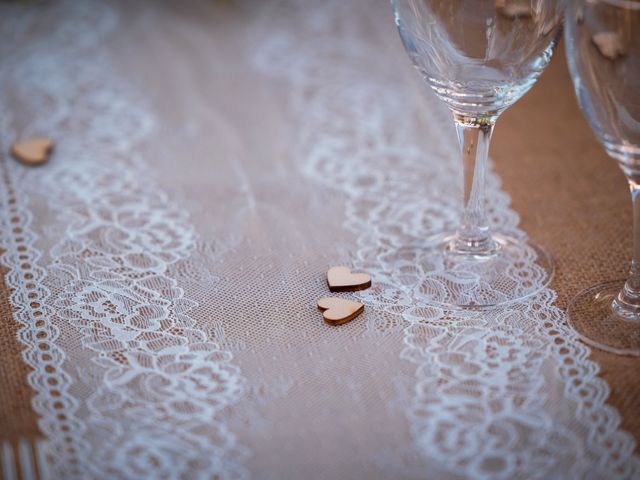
(340, 279)
(610, 44)
(33, 151)
(514, 8)
(337, 311)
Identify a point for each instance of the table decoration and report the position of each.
(163, 272)
(340, 279)
(33, 151)
(337, 311)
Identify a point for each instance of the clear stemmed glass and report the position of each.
(603, 52)
(480, 57)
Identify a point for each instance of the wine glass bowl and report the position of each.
(479, 57)
(603, 53)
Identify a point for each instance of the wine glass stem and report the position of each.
(627, 302)
(474, 234)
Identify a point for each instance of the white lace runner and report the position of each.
(127, 385)
(166, 262)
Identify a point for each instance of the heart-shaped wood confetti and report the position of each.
(33, 151)
(340, 279)
(610, 44)
(514, 8)
(337, 311)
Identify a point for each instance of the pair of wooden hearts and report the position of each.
(337, 311)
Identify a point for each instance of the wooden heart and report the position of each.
(33, 151)
(610, 44)
(340, 279)
(337, 311)
(514, 8)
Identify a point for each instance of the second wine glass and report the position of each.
(479, 56)
(603, 53)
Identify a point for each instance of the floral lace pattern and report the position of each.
(484, 380)
(150, 383)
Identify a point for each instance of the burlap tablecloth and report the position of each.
(571, 197)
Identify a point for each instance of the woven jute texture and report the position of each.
(574, 200)
(17, 419)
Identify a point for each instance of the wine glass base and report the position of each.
(516, 269)
(591, 315)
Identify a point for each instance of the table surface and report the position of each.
(212, 160)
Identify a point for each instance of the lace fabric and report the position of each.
(105, 305)
(169, 314)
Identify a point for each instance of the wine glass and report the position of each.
(603, 52)
(480, 57)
